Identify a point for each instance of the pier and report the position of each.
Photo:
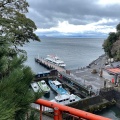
(74, 86)
(49, 65)
(64, 77)
(80, 80)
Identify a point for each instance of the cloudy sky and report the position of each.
(74, 17)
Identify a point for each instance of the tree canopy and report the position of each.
(15, 26)
(15, 78)
(111, 46)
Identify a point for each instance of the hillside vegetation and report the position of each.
(111, 45)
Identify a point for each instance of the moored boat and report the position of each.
(35, 87)
(43, 86)
(57, 87)
(66, 99)
(55, 60)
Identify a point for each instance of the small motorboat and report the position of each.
(43, 86)
(35, 87)
(57, 87)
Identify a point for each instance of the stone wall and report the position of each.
(91, 104)
(111, 94)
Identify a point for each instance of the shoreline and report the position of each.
(90, 75)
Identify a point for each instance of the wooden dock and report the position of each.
(49, 65)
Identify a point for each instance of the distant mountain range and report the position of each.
(74, 36)
(57, 34)
(70, 35)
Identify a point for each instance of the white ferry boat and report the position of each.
(66, 99)
(55, 60)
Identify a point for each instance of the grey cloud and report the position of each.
(47, 13)
(114, 23)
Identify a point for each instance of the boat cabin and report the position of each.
(62, 98)
(43, 82)
(65, 98)
(55, 60)
(57, 84)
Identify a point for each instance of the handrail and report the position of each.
(58, 109)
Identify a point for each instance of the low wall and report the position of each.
(92, 104)
(111, 94)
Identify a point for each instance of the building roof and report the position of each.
(114, 70)
(44, 72)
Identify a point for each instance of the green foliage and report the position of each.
(3, 58)
(107, 48)
(15, 78)
(14, 94)
(15, 26)
(34, 115)
(110, 42)
(117, 57)
(118, 27)
(112, 37)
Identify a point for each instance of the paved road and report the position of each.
(86, 78)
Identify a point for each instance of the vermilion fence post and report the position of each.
(60, 115)
(40, 112)
(56, 113)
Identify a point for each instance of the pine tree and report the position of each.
(15, 78)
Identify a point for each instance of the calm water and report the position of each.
(75, 52)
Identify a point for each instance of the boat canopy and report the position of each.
(42, 81)
(57, 83)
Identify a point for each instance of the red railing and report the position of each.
(58, 109)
